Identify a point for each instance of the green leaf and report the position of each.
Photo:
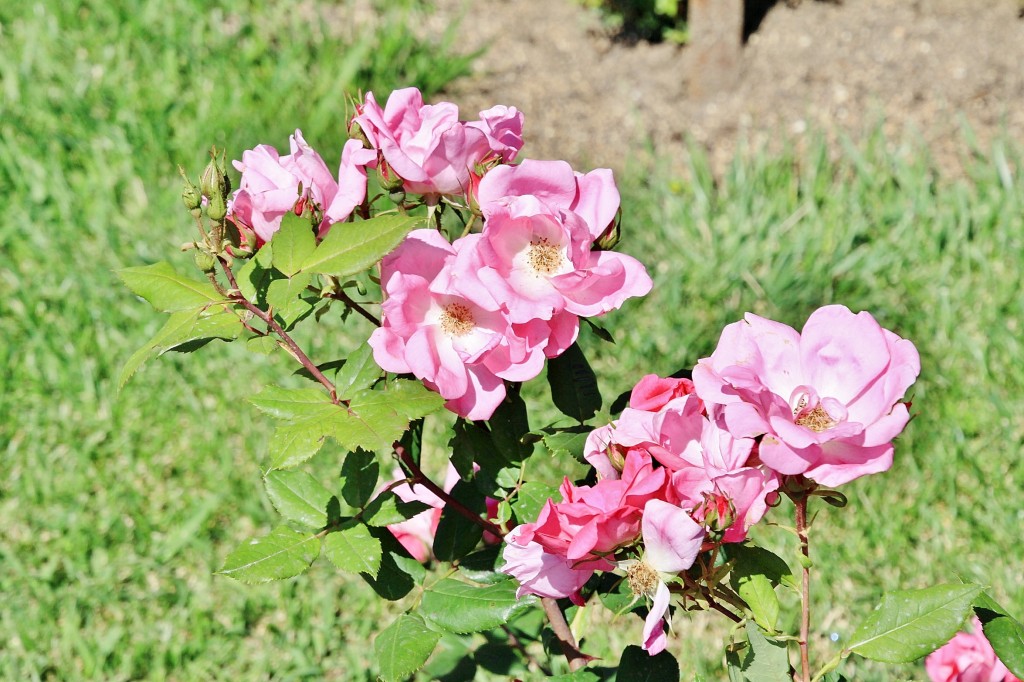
(750, 559)
(298, 497)
(295, 442)
(181, 328)
(757, 591)
(461, 608)
(471, 443)
(255, 276)
(289, 299)
(574, 385)
(403, 647)
(353, 549)
(398, 572)
(759, 659)
(369, 423)
(359, 473)
(1004, 633)
(909, 624)
(509, 425)
(293, 244)
(567, 442)
(264, 345)
(282, 554)
(358, 372)
(531, 498)
(412, 399)
(166, 290)
(636, 665)
(292, 403)
(581, 675)
(481, 566)
(457, 536)
(387, 509)
(351, 248)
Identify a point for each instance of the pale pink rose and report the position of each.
(429, 148)
(672, 541)
(540, 266)
(503, 127)
(540, 572)
(968, 657)
(825, 401)
(551, 187)
(273, 185)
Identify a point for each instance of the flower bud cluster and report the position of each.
(690, 465)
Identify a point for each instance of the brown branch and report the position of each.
(576, 658)
(289, 342)
(417, 477)
(347, 300)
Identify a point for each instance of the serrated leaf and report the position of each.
(298, 497)
(264, 345)
(398, 573)
(412, 399)
(764, 660)
(295, 442)
(285, 298)
(282, 554)
(909, 624)
(353, 549)
(351, 248)
(531, 498)
(573, 384)
(388, 509)
(569, 441)
(179, 332)
(359, 473)
(370, 423)
(750, 559)
(481, 566)
(293, 243)
(1004, 633)
(292, 403)
(403, 647)
(166, 290)
(359, 372)
(636, 665)
(508, 426)
(757, 591)
(462, 608)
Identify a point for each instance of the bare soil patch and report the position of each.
(924, 68)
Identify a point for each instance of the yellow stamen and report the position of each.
(544, 257)
(456, 319)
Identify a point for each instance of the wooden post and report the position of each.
(716, 41)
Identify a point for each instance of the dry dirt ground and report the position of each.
(924, 68)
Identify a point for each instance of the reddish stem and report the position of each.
(576, 658)
(417, 477)
(800, 502)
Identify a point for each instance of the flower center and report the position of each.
(544, 257)
(456, 319)
(642, 578)
(816, 420)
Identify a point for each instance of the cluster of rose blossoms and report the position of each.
(462, 316)
(692, 464)
(968, 657)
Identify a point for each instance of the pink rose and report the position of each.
(826, 401)
(429, 148)
(968, 657)
(272, 185)
(652, 392)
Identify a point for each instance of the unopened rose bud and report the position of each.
(216, 207)
(389, 180)
(717, 513)
(190, 194)
(610, 237)
(205, 261)
(355, 132)
(397, 196)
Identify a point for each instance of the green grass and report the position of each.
(117, 508)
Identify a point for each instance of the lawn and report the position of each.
(119, 506)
